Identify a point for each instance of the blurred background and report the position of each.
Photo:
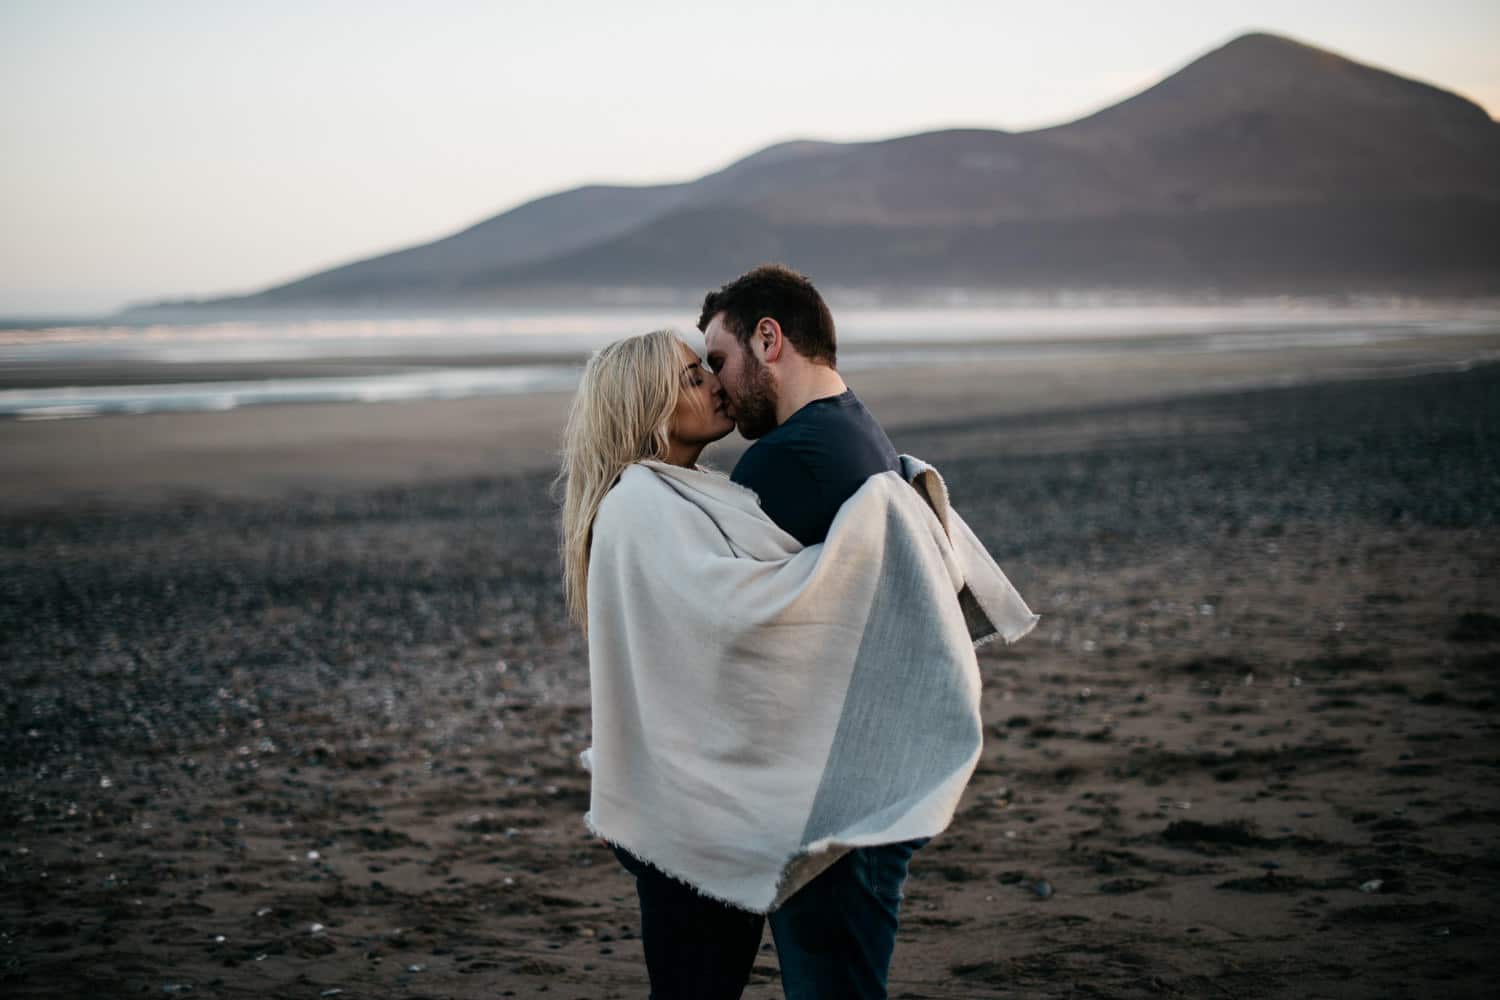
(465, 199)
(1195, 305)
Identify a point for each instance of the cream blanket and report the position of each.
(760, 707)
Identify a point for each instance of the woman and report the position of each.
(644, 397)
(762, 710)
(650, 397)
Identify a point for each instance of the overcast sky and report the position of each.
(161, 149)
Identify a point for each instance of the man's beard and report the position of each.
(755, 408)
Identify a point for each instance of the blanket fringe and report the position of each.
(1015, 636)
(821, 847)
(588, 821)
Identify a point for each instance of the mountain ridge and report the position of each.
(1264, 141)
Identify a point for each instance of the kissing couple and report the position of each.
(783, 684)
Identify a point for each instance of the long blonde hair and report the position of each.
(620, 415)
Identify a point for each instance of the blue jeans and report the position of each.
(834, 937)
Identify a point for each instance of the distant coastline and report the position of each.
(86, 371)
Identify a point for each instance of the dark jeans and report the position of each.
(834, 937)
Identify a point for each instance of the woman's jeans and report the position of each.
(834, 937)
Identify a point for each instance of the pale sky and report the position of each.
(158, 149)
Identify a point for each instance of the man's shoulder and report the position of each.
(841, 417)
(818, 424)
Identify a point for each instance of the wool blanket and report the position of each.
(761, 707)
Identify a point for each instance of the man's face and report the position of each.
(746, 379)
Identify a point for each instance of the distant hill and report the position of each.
(1265, 165)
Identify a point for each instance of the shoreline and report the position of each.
(273, 450)
(872, 353)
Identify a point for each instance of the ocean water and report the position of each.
(444, 383)
(446, 356)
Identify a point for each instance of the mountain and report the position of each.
(1265, 165)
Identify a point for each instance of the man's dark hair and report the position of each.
(785, 296)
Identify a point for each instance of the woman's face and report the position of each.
(700, 417)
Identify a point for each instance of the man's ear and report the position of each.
(768, 335)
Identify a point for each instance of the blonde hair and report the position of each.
(620, 415)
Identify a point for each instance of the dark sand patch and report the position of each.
(360, 712)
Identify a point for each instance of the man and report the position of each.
(770, 339)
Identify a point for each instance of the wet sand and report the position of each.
(273, 451)
(291, 706)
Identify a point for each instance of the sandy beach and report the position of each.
(292, 709)
(272, 451)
